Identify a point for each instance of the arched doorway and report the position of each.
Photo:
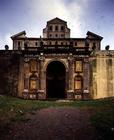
(55, 80)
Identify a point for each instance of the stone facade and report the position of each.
(57, 66)
(9, 72)
(102, 74)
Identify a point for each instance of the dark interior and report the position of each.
(55, 80)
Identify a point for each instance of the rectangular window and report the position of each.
(61, 43)
(56, 43)
(50, 28)
(36, 43)
(62, 28)
(62, 35)
(50, 43)
(75, 43)
(56, 28)
(56, 35)
(78, 66)
(19, 43)
(50, 35)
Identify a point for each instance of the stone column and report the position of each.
(70, 92)
(41, 92)
(109, 76)
(26, 79)
(86, 79)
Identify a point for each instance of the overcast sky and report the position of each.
(81, 15)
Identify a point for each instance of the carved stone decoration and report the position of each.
(33, 65)
(78, 83)
(33, 83)
(78, 66)
(26, 59)
(25, 72)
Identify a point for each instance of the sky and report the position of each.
(96, 16)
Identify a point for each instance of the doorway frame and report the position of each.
(65, 63)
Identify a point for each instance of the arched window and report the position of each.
(78, 83)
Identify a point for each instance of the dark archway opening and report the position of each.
(55, 80)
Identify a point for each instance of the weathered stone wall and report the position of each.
(102, 74)
(9, 66)
(97, 74)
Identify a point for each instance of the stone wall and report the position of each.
(97, 74)
(102, 74)
(9, 71)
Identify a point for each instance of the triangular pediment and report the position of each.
(93, 35)
(56, 20)
(19, 35)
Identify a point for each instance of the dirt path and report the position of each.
(55, 124)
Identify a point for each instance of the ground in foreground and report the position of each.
(43, 120)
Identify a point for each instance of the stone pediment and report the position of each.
(19, 35)
(93, 35)
(56, 20)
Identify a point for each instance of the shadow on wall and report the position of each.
(9, 67)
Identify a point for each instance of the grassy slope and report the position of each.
(14, 109)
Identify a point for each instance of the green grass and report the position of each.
(14, 109)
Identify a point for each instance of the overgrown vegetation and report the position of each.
(14, 109)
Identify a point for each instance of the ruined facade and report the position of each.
(57, 66)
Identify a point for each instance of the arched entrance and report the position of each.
(55, 80)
